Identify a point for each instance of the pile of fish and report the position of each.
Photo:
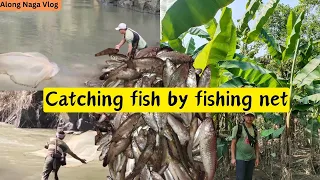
(158, 146)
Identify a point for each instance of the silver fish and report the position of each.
(135, 149)
(145, 155)
(161, 119)
(208, 151)
(147, 52)
(205, 78)
(192, 78)
(150, 121)
(114, 63)
(123, 74)
(118, 57)
(148, 64)
(179, 77)
(129, 125)
(115, 149)
(111, 68)
(106, 138)
(156, 176)
(104, 151)
(169, 69)
(192, 131)
(145, 174)
(168, 175)
(179, 129)
(175, 57)
(129, 166)
(107, 51)
(178, 171)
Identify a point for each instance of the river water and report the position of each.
(71, 37)
(17, 163)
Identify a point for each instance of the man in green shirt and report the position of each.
(245, 148)
(134, 40)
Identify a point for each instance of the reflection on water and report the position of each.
(17, 164)
(71, 37)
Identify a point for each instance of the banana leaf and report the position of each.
(217, 76)
(197, 51)
(253, 73)
(312, 99)
(290, 22)
(308, 73)
(273, 47)
(184, 14)
(222, 46)
(235, 82)
(263, 17)
(293, 37)
(314, 88)
(252, 8)
(190, 47)
(306, 54)
(199, 32)
(211, 27)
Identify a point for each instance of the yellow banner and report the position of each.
(166, 99)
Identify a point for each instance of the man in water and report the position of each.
(134, 40)
(245, 147)
(53, 160)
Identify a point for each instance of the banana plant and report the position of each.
(184, 14)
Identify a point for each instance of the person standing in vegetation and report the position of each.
(245, 147)
(134, 40)
(56, 155)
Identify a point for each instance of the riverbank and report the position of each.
(144, 6)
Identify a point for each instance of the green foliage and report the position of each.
(294, 25)
(252, 8)
(274, 118)
(252, 73)
(274, 133)
(222, 45)
(191, 47)
(273, 47)
(184, 14)
(265, 13)
(308, 74)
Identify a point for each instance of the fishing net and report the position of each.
(11, 105)
(27, 69)
(82, 145)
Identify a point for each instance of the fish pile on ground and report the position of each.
(160, 146)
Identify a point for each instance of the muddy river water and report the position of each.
(71, 37)
(17, 162)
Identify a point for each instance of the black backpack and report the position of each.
(252, 140)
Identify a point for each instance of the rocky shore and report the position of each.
(24, 109)
(146, 6)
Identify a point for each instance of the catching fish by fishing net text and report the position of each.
(166, 99)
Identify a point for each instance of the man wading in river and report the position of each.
(56, 155)
(245, 148)
(134, 40)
